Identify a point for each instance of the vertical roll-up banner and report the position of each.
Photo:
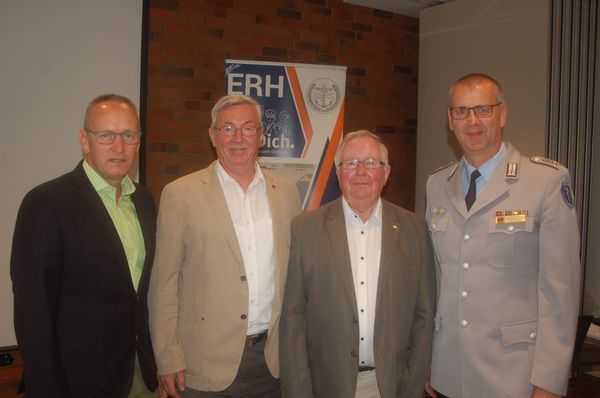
(303, 118)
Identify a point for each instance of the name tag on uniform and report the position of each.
(510, 216)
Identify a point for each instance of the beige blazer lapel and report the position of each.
(216, 202)
(277, 220)
(335, 226)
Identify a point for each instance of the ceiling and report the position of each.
(411, 8)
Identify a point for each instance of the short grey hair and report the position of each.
(475, 79)
(231, 100)
(106, 98)
(358, 134)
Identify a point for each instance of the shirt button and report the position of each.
(464, 294)
(433, 226)
(465, 266)
(243, 316)
(532, 336)
(362, 258)
(464, 323)
(243, 278)
(511, 227)
(467, 237)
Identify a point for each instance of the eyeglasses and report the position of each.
(230, 130)
(108, 137)
(482, 111)
(370, 163)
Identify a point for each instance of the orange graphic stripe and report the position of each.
(300, 106)
(328, 160)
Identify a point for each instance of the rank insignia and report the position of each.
(567, 195)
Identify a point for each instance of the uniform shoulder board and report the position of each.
(547, 162)
(444, 166)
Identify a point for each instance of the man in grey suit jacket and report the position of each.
(507, 259)
(221, 261)
(358, 310)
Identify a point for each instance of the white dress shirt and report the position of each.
(251, 216)
(364, 243)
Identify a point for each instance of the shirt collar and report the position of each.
(354, 219)
(100, 184)
(486, 169)
(225, 178)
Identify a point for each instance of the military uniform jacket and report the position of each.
(509, 285)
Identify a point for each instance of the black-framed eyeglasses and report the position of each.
(108, 137)
(370, 163)
(481, 111)
(230, 129)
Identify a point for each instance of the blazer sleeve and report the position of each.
(35, 268)
(295, 373)
(163, 298)
(558, 286)
(422, 325)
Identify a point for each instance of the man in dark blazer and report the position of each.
(82, 250)
(357, 317)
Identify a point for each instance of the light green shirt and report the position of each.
(124, 218)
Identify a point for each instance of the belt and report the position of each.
(365, 368)
(254, 339)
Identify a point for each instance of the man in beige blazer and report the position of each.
(220, 267)
(357, 317)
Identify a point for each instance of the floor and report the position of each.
(586, 385)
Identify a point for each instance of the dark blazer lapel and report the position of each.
(336, 231)
(147, 224)
(107, 232)
(216, 201)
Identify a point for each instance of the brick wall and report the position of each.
(190, 39)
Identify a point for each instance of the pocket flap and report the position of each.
(520, 332)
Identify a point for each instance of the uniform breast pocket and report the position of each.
(438, 227)
(512, 244)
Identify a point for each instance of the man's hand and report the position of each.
(428, 387)
(169, 384)
(541, 393)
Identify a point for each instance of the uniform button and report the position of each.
(243, 278)
(464, 323)
(243, 316)
(464, 294)
(532, 336)
(465, 266)
(353, 353)
(467, 237)
(511, 227)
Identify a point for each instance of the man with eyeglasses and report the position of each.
(82, 252)
(358, 310)
(505, 235)
(221, 263)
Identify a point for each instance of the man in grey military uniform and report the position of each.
(505, 235)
